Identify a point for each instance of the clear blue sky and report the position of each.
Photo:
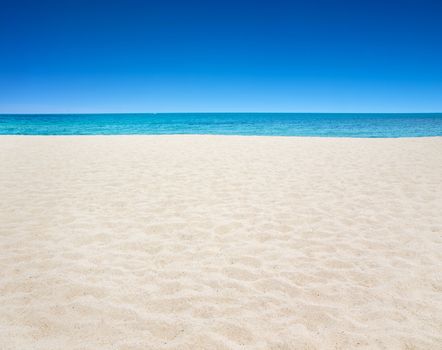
(66, 56)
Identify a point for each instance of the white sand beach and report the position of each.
(220, 242)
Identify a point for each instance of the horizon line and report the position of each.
(230, 112)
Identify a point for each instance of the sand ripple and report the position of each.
(206, 242)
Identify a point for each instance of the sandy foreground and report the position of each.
(218, 242)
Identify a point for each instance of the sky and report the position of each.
(78, 56)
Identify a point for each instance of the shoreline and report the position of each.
(228, 136)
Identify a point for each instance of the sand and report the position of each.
(218, 242)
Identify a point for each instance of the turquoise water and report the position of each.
(268, 124)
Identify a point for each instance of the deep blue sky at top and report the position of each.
(156, 56)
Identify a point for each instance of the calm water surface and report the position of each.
(267, 124)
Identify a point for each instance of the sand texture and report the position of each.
(218, 242)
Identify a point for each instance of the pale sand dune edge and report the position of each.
(212, 242)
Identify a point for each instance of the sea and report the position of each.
(369, 125)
